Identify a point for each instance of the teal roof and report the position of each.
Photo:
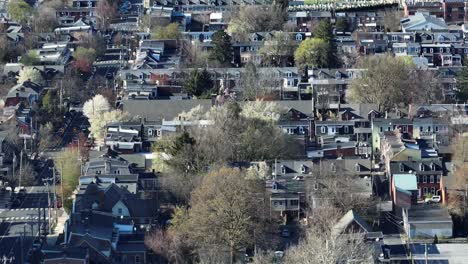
(405, 182)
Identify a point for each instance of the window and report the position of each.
(137, 259)
(421, 129)
(421, 167)
(333, 129)
(303, 168)
(323, 129)
(438, 178)
(424, 190)
(432, 190)
(428, 129)
(283, 169)
(346, 129)
(436, 128)
(358, 167)
(388, 128)
(119, 211)
(425, 179)
(417, 179)
(431, 178)
(298, 37)
(381, 129)
(405, 129)
(294, 202)
(431, 50)
(433, 167)
(402, 167)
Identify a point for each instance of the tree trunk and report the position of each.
(232, 255)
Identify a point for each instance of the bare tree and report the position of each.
(323, 246)
(106, 10)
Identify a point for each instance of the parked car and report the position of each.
(433, 199)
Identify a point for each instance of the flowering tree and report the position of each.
(30, 74)
(262, 110)
(95, 107)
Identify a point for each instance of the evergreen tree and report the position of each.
(462, 85)
(199, 83)
(222, 48)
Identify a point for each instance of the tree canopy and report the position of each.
(313, 52)
(251, 18)
(30, 74)
(19, 10)
(68, 165)
(390, 82)
(170, 31)
(222, 48)
(30, 58)
(462, 85)
(199, 83)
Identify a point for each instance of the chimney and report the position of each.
(107, 166)
(466, 12)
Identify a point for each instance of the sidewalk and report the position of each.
(62, 217)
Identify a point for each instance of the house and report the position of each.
(351, 222)
(328, 86)
(381, 125)
(54, 53)
(106, 170)
(429, 175)
(451, 11)
(427, 221)
(26, 92)
(104, 238)
(287, 188)
(422, 21)
(404, 190)
(124, 140)
(117, 202)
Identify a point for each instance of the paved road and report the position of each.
(19, 226)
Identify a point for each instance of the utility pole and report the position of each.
(21, 168)
(48, 206)
(23, 234)
(55, 193)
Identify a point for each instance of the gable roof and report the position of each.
(350, 217)
(423, 21)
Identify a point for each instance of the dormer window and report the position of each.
(303, 169)
(283, 169)
(441, 38)
(433, 167)
(289, 74)
(357, 167)
(338, 75)
(299, 37)
(402, 167)
(421, 167)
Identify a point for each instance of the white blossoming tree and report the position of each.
(96, 106)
